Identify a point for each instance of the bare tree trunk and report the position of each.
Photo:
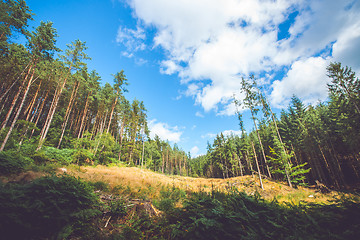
(283, 147)
(257, 165)
(143, 149)
(29, 113)
(84, 115)
(3, 105)
(101, 130)
(328, 167)
(112, 112)
(13, 84)
(131, 150)
(19, 109)
(40, 112)
(249, 162)
(31, 105)
(68, 111)
(7, 117)
(121, 134)
(163, 161)
(261, 145)
(48, 115)
(240, 165)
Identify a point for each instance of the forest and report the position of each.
(306, 144)
(51, 103)
(55, 112)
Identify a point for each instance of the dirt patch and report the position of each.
(23, 177)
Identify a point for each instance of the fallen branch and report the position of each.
(107, 222)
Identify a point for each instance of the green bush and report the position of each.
(49, 207)
(99, 185)
(12, 161)
(62, 156)
(118, 208)
(51, 154)
(40, 157)
(83, 157)
(168, 198)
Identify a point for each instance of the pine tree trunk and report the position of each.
(121, 134)
(142, 155)
(112, 112)
(19, 109)
(84, 115)
(261, 145)
(29, 113)
(249, 162)
(68, 111)
(131, 150)
(48, 116)
(31, 105)
(240, 165)
(331, 174)
(47, 124)
(100, 131)
(163, 161)
(283, 147)
(40, 112)
(7, 117)
(13, 84)
(257, 165)
(3, 106)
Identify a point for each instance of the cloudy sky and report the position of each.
(185, 58)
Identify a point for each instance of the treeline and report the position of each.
(53, 107)
(307, 144)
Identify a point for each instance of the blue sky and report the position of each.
(185, 58)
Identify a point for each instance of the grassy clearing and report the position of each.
(148, 184)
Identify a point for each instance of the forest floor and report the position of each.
(136, 203)
(149, 183)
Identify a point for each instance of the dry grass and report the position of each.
(148, 182)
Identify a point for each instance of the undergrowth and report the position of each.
(236, 215)
(65, 207)
(49, 207)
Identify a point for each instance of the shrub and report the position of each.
(168, 198)
(62, 156)
(118, 208)
(83, 157)
(99, 185)
(40, 157)
(49, 207)
(13, 162)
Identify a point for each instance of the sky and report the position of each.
(184, 59)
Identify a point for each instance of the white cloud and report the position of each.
(226, 133)
(306, 79)
(133, 40)
(347, 47)
(222, 41)
(194, 151)
(208, 136)
(199, 114)
(164, 131)
(169, 67)
(140, 61)
(231, 132)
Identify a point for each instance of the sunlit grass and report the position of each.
(145, 184)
